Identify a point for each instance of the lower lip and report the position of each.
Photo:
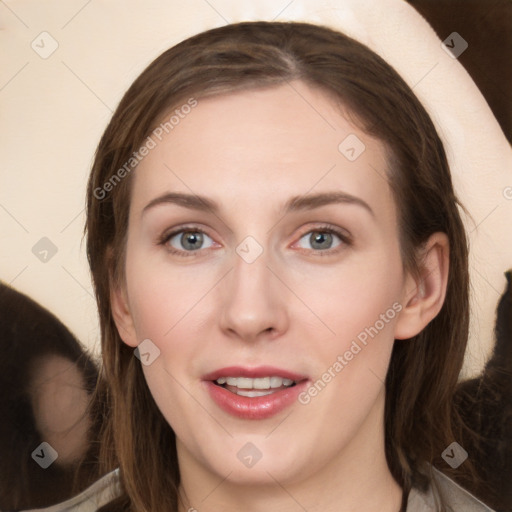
(254, 408)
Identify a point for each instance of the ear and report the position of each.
(423, 297)
(122, 315)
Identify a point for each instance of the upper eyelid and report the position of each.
(180, 229)
(327, 227)
(342, 233)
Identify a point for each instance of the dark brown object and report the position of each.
(28, 334)
(485, 403)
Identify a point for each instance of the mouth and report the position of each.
(254, 393)
(262, 386)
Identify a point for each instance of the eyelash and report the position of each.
(345, 239)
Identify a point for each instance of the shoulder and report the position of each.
(98, 494)
(454, 497)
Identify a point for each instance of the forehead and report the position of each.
(264, 144)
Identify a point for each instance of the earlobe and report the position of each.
(122, 315)
(423, 297)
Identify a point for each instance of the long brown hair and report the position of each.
(423, 372)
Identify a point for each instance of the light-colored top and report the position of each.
(457, 499)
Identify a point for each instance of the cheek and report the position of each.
(357, 297)
(164, 296)
(351, 366)
(360, 307)
(170, 306)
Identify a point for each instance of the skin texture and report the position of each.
(293, 307)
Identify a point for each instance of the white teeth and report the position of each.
(252, 393)
(263, 383)
(259, 383)
(243, 383)
(276, 382)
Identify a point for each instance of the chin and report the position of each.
(250, 460)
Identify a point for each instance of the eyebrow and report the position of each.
(294, 204)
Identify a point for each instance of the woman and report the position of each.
(282, 280)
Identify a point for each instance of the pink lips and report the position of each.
(254, 408)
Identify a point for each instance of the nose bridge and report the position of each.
(251, 275)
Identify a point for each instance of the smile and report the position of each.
(254, 393)
(245, 386)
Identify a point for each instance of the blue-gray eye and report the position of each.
(320, 240)
(189, 240)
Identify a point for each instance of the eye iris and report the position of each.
(191, 240)
(318, 238)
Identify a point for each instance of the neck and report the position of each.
(355, 479)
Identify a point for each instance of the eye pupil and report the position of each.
(191, 240)
(320, 237)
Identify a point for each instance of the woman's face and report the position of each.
(263, 244)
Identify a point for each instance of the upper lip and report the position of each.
(253, 372)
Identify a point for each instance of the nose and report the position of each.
(254, 301)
